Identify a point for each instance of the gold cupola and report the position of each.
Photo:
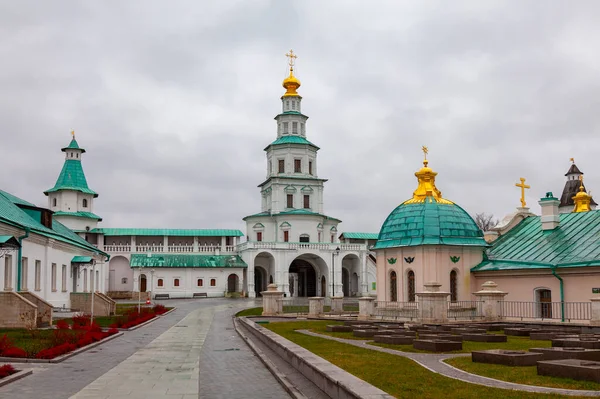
(291, 83)
(426, 190)
(582, 199)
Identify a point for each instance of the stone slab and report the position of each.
(338, 328)
(443, 337)
(468, 331)
(393, 339)
(437, 345)
(570, 368)
(559, 353)
(506, 357)
(519, 332)
(364, 333)
(485, 337)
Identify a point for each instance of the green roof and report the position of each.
(429, 223)
(88, 215)
(15, 200)
(293, 212)
(9, 241)
(168, 232)
(81, 259)
(11, 213)
(291, 140)
(72, 178)
(187, 260)
(574, 243)
(73, 146)
(360, 236)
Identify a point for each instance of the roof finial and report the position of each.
(291, 83)
(73, 133)
(582, 199)
(572, 160)
(291, 59)
(523, 186)
(426, 190)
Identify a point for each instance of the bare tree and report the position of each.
(485, 221)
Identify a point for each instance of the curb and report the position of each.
(14, 377)
(282, 378)
(63, 357)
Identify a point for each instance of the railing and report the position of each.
(567, 311)
(180, 248)
(325, 246)
(465, 310)
(149, 248)
(295, 305)
(388, 310)
(117, 248)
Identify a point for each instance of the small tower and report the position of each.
(71, 199)
(572, 188)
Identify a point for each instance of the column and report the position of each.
(595, 321)
(133, 244)
(492, 299)
(365, 307)
(433, 304)
(272, 304)
(165, 244)
(195, 249)
(223, 242)
(364, 274)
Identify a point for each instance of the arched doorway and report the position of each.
(305, 274)
(232, 283)
(543, 297)
(345, 281)
(393, 287)
(143, 283)
(120, 274)
(260, 280)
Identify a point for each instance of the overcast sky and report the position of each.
(174, 101)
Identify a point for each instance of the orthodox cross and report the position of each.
(292, 58)
(73, 133)
(523, 186)
(425, 151)
(572, 160)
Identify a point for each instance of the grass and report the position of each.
(513, 343)
(249, 312)
(519, 375)
(398, 376)
(30, 341)
(106, 321)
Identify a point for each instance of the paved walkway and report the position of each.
(435, 363)
(160, 360)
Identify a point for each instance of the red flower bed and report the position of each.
(64, 339)
(6, 370)
(132, 317)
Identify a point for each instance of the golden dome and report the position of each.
(291, 84)
(426, 188)
(582, 200)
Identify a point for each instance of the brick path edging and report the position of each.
(282, 378)
(63, 357)
(432, 362)
(14, 377)
(331, 379)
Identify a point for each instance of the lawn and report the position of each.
(519, 375)
(30, 341)
(107, 321)
(249, 312)
(399, 376)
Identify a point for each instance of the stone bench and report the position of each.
(436, 345)
(393, 339)
(506, 357)
(519, 332)
(364, 333)
(485, 337)
(337, 328)
(443, 337)
(364, 327)
(357, 322)
(468, 331)
(161, 296)
(199, 295)
(560, 353)
(544, 335)
(570, 368)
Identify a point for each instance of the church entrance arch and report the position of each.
(232, 283)
(264, 269)
(305, 273)
(350, 268)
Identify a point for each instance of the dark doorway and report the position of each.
(259, 281)
(545, 303)
(143, 283)
(345, 281)
(232, 283)
(307, 278)
(323, 286)
(393, 287)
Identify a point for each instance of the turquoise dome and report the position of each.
(429, 222)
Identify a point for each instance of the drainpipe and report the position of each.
(20, 258)
(562, 294)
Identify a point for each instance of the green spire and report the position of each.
(71, 176)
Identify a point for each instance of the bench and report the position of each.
(161, 296)
(200, 295)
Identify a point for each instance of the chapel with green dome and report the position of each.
(424, 239)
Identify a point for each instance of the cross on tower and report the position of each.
(291, 58)
(425, 151)
(523, 186)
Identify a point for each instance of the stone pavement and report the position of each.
(157, 360)
(435, 363)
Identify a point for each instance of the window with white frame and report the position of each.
(53, 274)
(200, 282)
(24, 273)
(295, 127)
(286, 127)
(176, 282)
(7, 272)
(38, 275)
(64, 278)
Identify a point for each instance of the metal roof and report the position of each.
(429, 223)
(187, 260)
(88, 215)
(360, 236)
(574, 243)
(81, 259)
(305, 212)
(291, 139)
(168, 232)
(71, 177)
(73, 146)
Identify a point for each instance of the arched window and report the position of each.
(393, 287)
(200, 282)
(453, 289)
(213, 282)
(84, 203)
(160, 283)
(411, 285)
(176, 282)
(53, 201)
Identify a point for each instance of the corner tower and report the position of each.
(71, 199)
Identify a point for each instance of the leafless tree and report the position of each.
(485, 221)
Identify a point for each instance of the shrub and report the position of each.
(55, 351)
(6, 370)
(112, 331)
(159, 309)
(14, 352)
(5, 343)
(62, 324)
(81, 320)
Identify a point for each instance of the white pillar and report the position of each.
(365, 307)
(433, 304)
(491, 298)
(195, 249)
(315, 306)
(364, 274)
(272, 304)
(337, 304)
(165, 244)
(595, 321)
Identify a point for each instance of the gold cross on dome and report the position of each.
(72, 132)
(291, 58)
(523, 186)
(425, 151)
(572, 160)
